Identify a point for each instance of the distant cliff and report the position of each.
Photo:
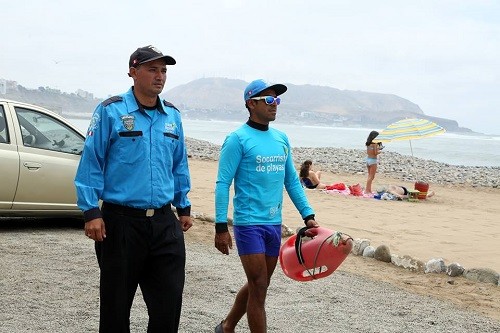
(222, 99)
(78, 104)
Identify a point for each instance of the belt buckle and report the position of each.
(150, 212)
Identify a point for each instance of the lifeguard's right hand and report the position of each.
(223, 242)
(95, 229)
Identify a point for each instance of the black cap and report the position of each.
(146, 54)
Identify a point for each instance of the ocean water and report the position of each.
(456, 149)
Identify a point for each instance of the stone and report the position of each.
(286, 231)
(455, 269)
(359, 245)
(482, 275)
(407, 262)
(382, 253)
(369, 251)
(435, 266)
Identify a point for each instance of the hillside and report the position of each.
(78, 104)
(222, 99)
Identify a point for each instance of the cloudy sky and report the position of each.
(442, 55)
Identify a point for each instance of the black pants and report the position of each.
(144, 251)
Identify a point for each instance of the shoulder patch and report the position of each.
(170, 105)
(112, 100)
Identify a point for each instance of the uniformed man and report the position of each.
(135, 161)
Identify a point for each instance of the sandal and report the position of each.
(218, 328)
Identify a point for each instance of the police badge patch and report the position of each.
(128, 122)
(94, 124)
(170, 128)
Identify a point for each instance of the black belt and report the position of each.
(135, 212)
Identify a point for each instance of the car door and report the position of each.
(9, 157)
(49, 153)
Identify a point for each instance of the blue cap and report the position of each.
(258, 86)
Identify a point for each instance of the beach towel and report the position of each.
(336, 186)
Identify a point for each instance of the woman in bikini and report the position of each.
(402, 192)
(372, 150)
(309, 177)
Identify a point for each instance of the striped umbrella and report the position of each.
(409, 129)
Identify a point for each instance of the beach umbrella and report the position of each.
(409, 129)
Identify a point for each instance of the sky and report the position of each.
(442, 55)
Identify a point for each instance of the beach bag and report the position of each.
(356, 190)
(314, 253)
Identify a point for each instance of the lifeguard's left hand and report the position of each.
(311, 224)
(186, 222)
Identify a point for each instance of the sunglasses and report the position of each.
(268, 99)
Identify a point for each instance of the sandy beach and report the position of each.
(458, 224)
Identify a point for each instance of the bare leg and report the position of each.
(321, 186)
(251, 297)
(397, 191)
(372, 170)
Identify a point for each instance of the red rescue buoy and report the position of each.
(304, 258)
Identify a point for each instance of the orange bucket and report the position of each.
(305, 258)
(422, 188)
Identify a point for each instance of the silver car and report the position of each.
(39, 154)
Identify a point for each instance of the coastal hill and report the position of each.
(222, 99)
(79, 104)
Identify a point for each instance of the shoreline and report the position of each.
(394, 165)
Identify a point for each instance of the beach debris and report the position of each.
(336, 238)
(359, 246)
(369, 251)
(286, 231)
(435, 266)
(382, 253)
(407, 262)
(485, 275)
(455, 269)
(388, 196)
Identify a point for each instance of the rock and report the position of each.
(286, 231)
(482, 275)
(359, 245)
(407, 262)
(455, 269)
(383, 253)
(369, 251)
(435, 266)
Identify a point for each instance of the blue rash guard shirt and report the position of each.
(133, 159)
(261, 164)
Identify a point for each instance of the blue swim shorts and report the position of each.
(371, 161)
(256, 239)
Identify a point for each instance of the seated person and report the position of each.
(402, 192)
(309, 177)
